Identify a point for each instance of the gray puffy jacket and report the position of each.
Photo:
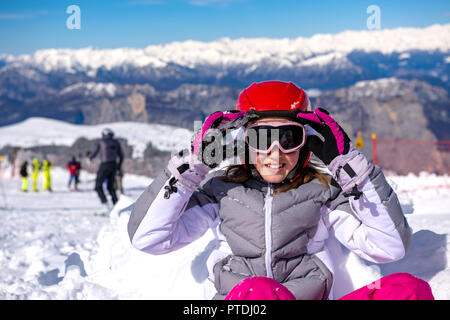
(110, 151)
(280, 236)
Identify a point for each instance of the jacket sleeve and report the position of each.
(373, 226)
(160, 225)
(95, 151)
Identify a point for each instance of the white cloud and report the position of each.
(146, 3)
(21, 15)
(212, 2)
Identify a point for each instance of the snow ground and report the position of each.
(53, 247)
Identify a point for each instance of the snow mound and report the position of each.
(137, 275)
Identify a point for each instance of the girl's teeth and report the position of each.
(274, 166)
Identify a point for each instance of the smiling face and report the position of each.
(275, 165)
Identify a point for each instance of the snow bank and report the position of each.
(133, 274)
(419, 193)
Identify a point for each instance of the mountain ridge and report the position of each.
(228, 52)
(192, 79)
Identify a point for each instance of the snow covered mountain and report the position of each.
(180, 82)
(391, 107)
(146, 147)
(319, 50)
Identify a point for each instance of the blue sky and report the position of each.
(29, 25)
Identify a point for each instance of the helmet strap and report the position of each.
(292, 115)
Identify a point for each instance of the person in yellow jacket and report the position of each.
(46, 165)
(359, 144)
(35, 174)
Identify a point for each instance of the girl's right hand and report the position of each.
(208, 139)
(189, 167)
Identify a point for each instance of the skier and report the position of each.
(359, 144)
(46, 166)
(74, 169)
(35, 174)
(24, 175)
(274, 213)
(111, 160)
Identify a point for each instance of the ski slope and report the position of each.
(53, 247)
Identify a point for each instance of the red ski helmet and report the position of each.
(277, 98)
(273, 96)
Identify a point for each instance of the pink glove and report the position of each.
(213, 129)
(190, 168)
(336, 140)
(348, 166)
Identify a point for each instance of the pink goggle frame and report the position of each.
(276, 142)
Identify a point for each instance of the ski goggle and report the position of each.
(262, 137)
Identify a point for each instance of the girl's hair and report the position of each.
(240, 174)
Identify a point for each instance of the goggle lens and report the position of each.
(262, 137)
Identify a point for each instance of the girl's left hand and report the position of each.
(337, 151)
(336, 140)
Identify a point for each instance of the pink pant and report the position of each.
(397, 286)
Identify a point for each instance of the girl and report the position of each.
(273, 213)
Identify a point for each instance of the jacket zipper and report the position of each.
(268, 231)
